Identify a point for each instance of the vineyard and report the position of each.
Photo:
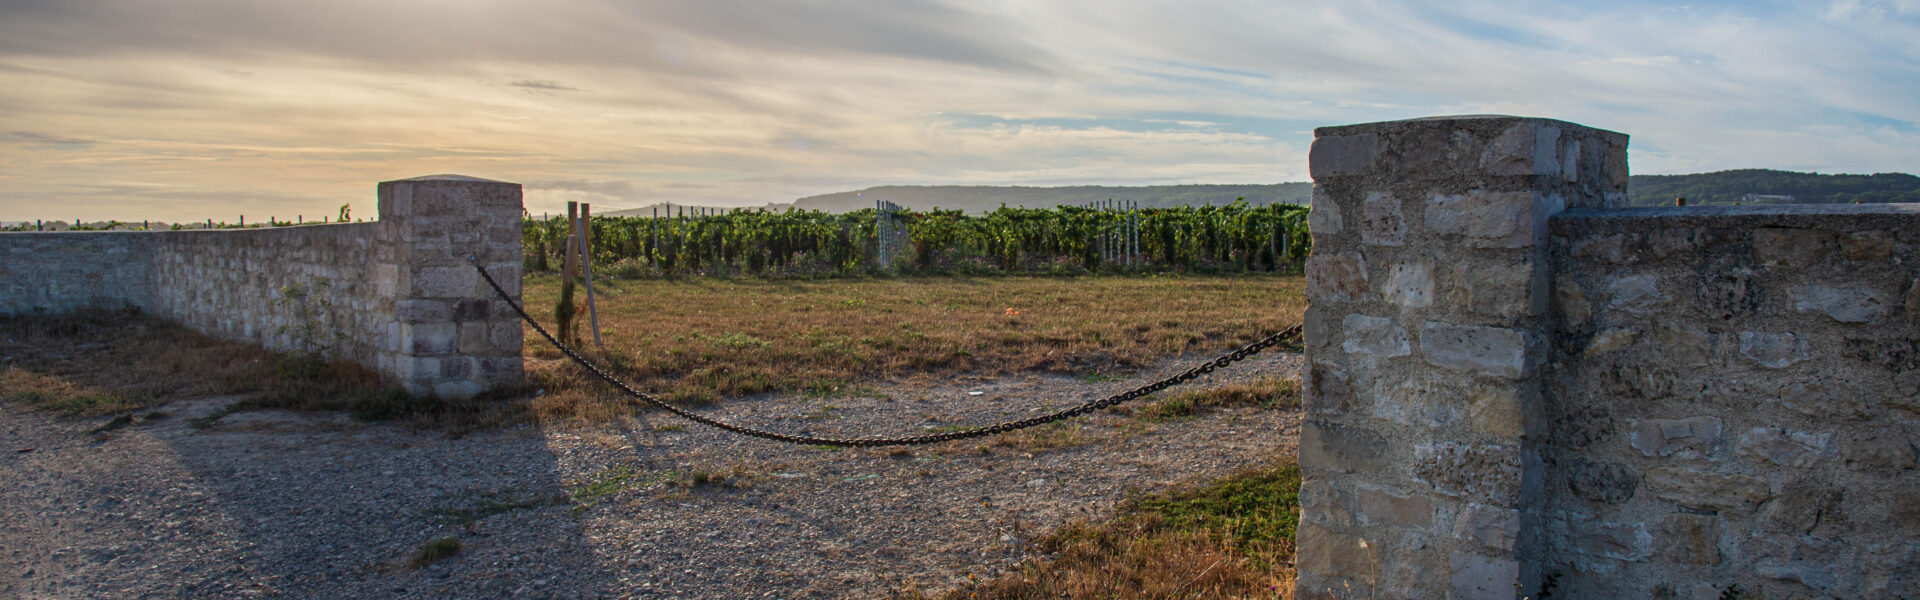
(1067, 240)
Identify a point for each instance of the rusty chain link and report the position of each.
(871, 442)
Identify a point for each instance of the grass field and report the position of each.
(701, 340)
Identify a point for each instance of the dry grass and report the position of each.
(1231, 538)
(1265, 392)
(700, 340)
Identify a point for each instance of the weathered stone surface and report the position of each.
(1783, 447)
(1606, 248)
(1608, 341)
(1379, 507)
(1846, 304)
(1867, 245)
(1801, 506)
(1504, 290)
(1727, 294)
(1381, 220)
(1690, 539)
(1478, 576)
(1892, 571)
(1341, 448)
(1692, 437)
(1336, 156)
(1484, 472)
(1495, 410)
(1774, 350)
(1571, 302)
(418, 310)
(1584, 426)
(1790, 247)
(1637, 295)
(1913, 302)
(1809, 561)
(1487, 219)
(1491, 351)
(1323, 218)
(1328, 388)
(1409, 285)
(1618, 541)
(1336, 277)
(1374, 336)
(1706, 490)
(1886, 452)
(1419, 401)
(1683, 344)
(428, 339)
(1322, 503)
(1606, 483)
(1491, 529)
(1324, 552)
(1523, 149)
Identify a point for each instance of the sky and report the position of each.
(183, 110)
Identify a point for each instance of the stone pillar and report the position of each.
(451, 336)
(1428, 297)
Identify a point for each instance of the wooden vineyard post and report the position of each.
(586, 262)
(567, 264)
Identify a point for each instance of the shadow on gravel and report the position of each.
(282, 504)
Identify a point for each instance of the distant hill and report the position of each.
(982, 198)
(1745, 185)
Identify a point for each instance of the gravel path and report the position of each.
(294, 505)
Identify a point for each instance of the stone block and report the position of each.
(1705, 490)
(1323, 217)
(418, 310)
(474, 338)
(457, 367)
(1374, 336)
(1789, 247)
(1488, 473)
(1491, 529)
(472, 309)
(416, 368)
(1321, 328)
(1886, 452)
(1488, 219)
(1619, 541)
(1501, 290)
(1773, 350)
(1637, 295)
(1322, 503)
(1342, 449)
(1785, 448)
(1603, 482)
(1381, 220)
(1378, 507)
(1801, 506)
(1473, 575)
(1690, 539)
(1526, 148)
(444, 282)
(1604, 248)
(1867, 245)
(1495, 410)
(1692, 437)
(1846, 304)
(456, 390)
(1418, 400)
(1342, 155)
(1493, 351)
(428, 339)
(1807, 561)
(1324, 552)
(1329, 390)
(1571, 303)
(1892, 570)
(505, 337)
(1730, 293)
(1409, 285)
(1607, 341)
(1336, 277)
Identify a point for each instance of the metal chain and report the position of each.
(871, 442)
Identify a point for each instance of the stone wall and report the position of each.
(1488, 336)
(398, 294)
(1735, 395)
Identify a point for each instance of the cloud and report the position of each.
(742, 103)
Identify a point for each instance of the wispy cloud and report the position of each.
(743, 103)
